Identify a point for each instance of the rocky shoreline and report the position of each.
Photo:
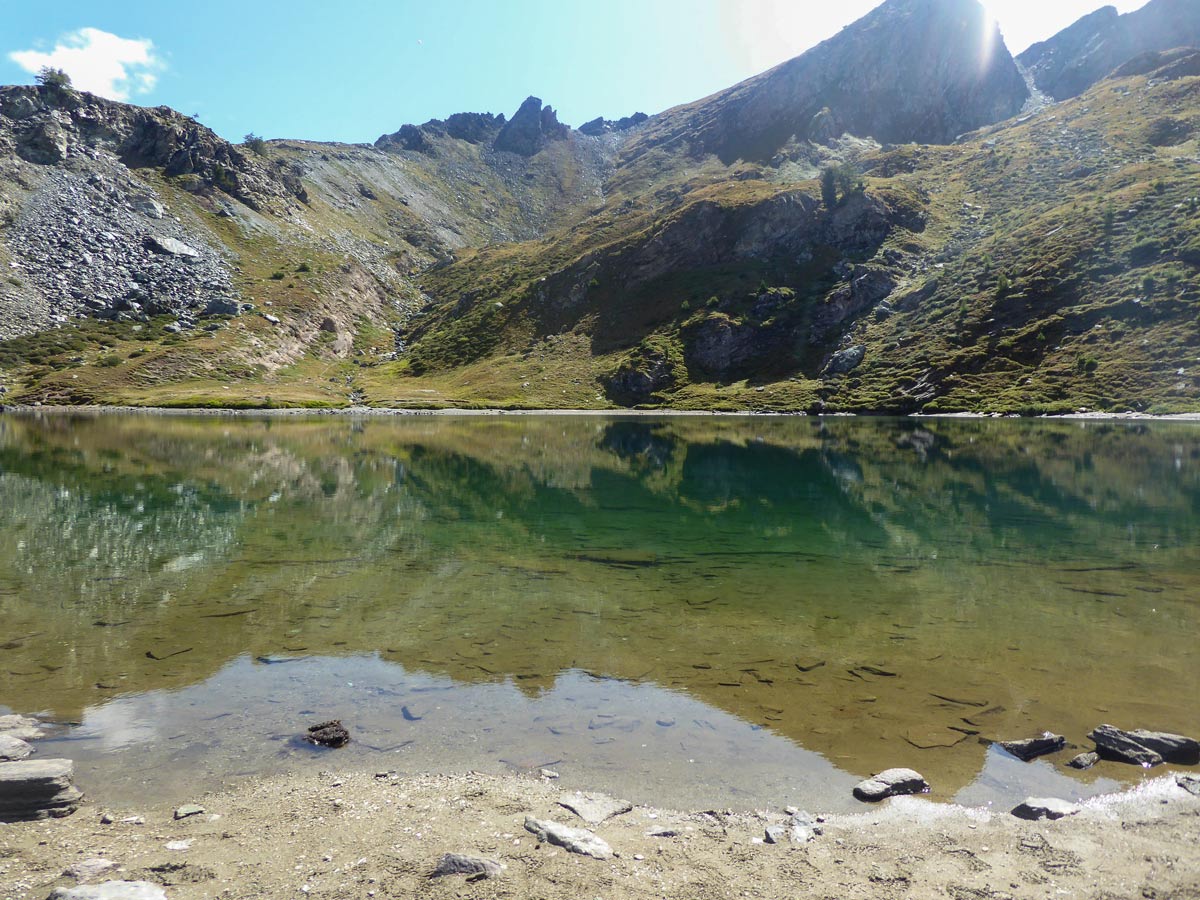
(393, 834)
(381, 411)
(386, 834)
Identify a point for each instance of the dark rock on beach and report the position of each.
(1036, 808)
(891, 783)
(474, 867)
(1032, 748)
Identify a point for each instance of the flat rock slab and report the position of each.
(594, 808)
(188, 809)
(13, 749)
(1173, 748)
(1146, 748)
(1036, 808)
(23, 728)
(573, 840)
(168, 246)
(36, 789)
(475, 867)
(8, 723)
(111, 890)
(891, 783)
(1032, 748)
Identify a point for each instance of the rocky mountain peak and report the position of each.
(1077, 57)
(911, 70)
(531, 129)
(474, 128)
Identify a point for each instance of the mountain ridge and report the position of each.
(689, 259)
(1080, 55)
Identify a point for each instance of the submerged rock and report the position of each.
(892, 783)
(1032, 748)
(328, 734)
(476, 867)
(1084, 760)
(1036, 808)
(573, 840)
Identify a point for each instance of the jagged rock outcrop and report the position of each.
(474, 128)
(531, 129)
(46, 126)
(1077, 57)
(954, 75)
(600, 126)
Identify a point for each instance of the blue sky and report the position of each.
(355, 69)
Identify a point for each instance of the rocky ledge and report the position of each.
(32, 788)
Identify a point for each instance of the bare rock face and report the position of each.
(1077, 57)
(46, 127)
(531, 129)
(597, 127)
(474, 128)
(641, 377)
(954, 75)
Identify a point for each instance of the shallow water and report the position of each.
(691, 612)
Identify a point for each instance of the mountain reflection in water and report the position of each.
(803, 601)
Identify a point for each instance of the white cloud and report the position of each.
(100, 62)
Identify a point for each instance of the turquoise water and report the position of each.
(688, 611)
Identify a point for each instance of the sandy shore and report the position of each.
(364, 835)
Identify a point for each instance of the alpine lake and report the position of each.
(695, 612)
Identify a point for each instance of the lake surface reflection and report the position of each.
(692, 611)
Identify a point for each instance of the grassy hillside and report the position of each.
(1047, 264)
